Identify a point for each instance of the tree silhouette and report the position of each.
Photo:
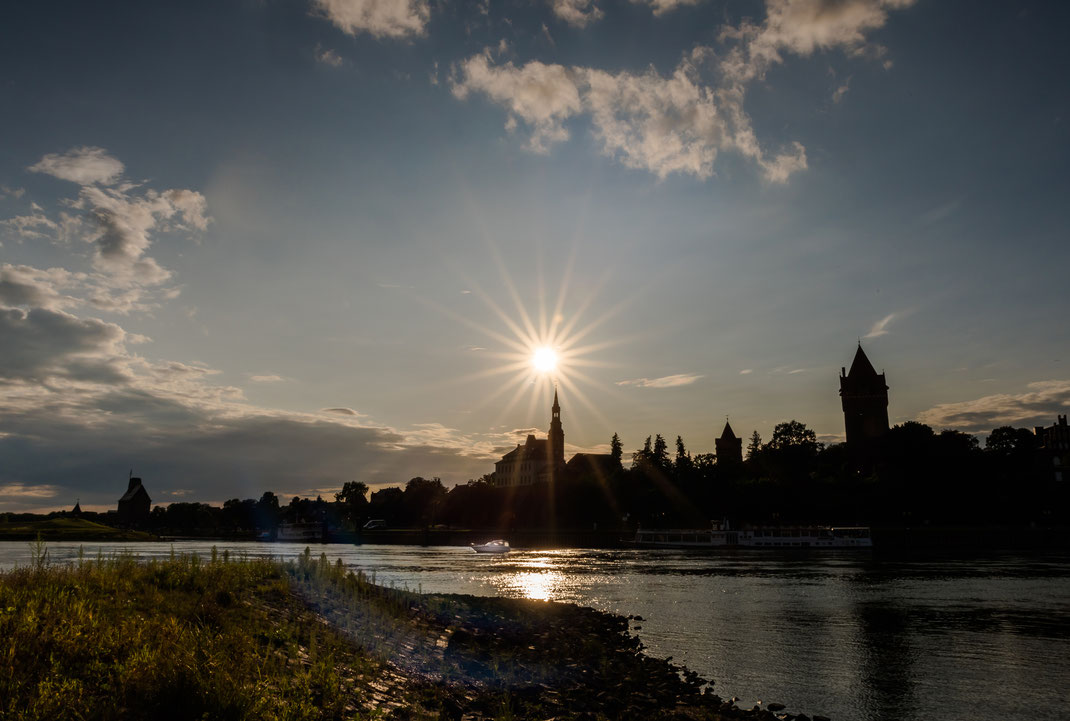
(616, 449)
(754, 446)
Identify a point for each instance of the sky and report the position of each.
(284, 244)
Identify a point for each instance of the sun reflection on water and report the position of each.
(536, 585)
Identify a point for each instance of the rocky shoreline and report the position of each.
(217, 638)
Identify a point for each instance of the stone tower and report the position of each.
(728, 448)
(864, 394)
(556, 435)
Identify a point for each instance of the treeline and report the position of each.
(915, 476)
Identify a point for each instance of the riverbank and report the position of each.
(190, 637)
(68, 529)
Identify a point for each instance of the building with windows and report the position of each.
(537, 460)
(1053, 449)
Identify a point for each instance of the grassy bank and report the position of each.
(219, 638)
(67, 529)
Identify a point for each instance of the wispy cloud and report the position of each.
(660, 7)
(267, 378)
(25, 490)
(329, 57)
(681, 379)
(880, 327)
(746, 371)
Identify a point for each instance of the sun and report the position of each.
(544, 359)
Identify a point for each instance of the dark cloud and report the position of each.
(40, 343)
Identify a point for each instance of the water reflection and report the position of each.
(536, 585)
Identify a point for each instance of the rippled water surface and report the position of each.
(846, 634)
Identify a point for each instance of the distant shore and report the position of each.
(885, 538)
(308, 640)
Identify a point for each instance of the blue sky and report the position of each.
(281, 245)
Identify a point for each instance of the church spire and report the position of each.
(557, 434)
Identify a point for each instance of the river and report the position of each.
(850, 635)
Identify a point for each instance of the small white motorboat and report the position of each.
(495, 546)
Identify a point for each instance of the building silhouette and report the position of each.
(537, 460)
(1053, 449)
(864, 395)
(728, 448)
(134, 505)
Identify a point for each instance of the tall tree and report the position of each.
(643, 456)
(616, 448)
(683, 458)
(754, 446)
(660, 455)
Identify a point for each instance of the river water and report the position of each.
(850, 635)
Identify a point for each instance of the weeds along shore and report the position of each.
(235, 638)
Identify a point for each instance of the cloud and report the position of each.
(42, 344)
(35, 225)
(85, 166)
(542, 96)
(1038, 406)
(22, 490)
(269, 378)
(24, 285)
(682, 379)
(381, 18)
(577, 13)
(838, 94)
(675, 123)
(329, 57)
(647, 121)
(803, 27)
(125, 224)
(120, 220)
(880, 327)
(341, 411)
(746, 371)
(660, 7)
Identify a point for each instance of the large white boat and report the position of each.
(312, 532)
(720, 535)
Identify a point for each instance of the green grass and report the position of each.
(220, 638)
(67, 529)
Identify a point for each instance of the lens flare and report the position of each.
(544, 360)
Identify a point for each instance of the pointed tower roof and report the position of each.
(727, 432)
(557, 406)
(861, 366)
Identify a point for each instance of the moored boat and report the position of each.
(720, 535)
(312, 532)
(495, 546)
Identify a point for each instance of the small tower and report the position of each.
(135, 503)
(728, 448)
(556, 435)
(864, 395)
